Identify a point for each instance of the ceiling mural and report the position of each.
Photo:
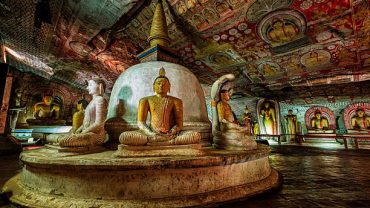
(270, 45)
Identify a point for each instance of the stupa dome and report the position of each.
(137, 82)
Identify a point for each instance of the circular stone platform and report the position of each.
(53, 179)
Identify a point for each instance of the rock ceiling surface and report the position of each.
(281, 48)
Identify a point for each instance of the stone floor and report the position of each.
(314, 175)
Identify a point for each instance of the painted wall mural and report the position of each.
(273, 44)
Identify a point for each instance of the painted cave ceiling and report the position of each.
(276, 48)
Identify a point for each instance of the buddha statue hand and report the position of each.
(225, 126)
(161, 137)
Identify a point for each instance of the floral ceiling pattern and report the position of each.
(271, 45)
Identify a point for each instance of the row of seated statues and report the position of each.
(165, 126)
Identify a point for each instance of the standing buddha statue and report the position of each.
(268, 116)
(291, 124)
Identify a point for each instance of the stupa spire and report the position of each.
(158, 31)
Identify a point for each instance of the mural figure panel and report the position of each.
(284, 30)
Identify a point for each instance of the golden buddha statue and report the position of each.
(268, 116)
(91, 132)
(46, 112)
(318, 122)
(46, 108)
(78, 117)
(227, 133)
(166, 119)
(291, 124)
(281, 32)
(360, 121)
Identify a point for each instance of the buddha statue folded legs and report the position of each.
(138, 138)
(92, 132)
(166, 120)
(227, 133)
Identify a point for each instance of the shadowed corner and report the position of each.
(4, 198)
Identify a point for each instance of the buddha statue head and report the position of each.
(82, 104)
(267, 105)
(225, 95)
(47, 99)
(290, 112)
(318, 114)
(161, 85)
(96, 86)
(360, 112)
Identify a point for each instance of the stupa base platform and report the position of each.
(77, 150)
(101, 180)
(159, 151)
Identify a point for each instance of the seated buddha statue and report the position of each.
(360, 121)
(319, 123)
(78, 117)
(46, 112)
(166, 119)
(91, 132)
(227, 133)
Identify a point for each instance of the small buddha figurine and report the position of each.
(78, 117)
(227, 133)
(166, 119)
(319, 122)
(46, 109)
(360, 121)
(91, 132)
(291, 124)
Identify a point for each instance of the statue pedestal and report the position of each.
(76, 150)
(354, 131)
(45, 122)
(53, 179)
(40, 132)
(158, 151)
(328, 131)
(234, 140)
